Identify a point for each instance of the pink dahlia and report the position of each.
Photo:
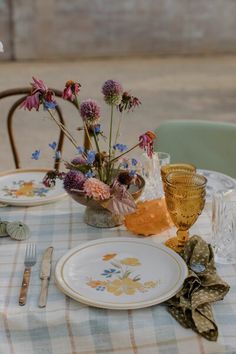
(112, 91)
(73, 180)
(96, 189)
(90, 111)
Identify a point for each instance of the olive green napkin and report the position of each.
(191, 306)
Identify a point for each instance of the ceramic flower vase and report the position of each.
(97, 216)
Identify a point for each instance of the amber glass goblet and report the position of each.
(175, 167)
(185, 198)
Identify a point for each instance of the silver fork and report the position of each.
(30, 260)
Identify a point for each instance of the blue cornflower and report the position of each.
(80, 149)
(49, 105)
(134, 162)
(97, 128)
(89, 174)
(90, 156)
(120, 147)
(132, 173)
(35, 155)
(125, 164)
(57, 155)
(53, 145)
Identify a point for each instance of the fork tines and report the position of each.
(30, 255)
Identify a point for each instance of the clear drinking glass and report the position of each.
(152, 175)
(224, 227)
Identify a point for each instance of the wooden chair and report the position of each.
(207, 145)
(24, 92)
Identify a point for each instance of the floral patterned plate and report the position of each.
(120, 274)
(25, 188)
(217, 182)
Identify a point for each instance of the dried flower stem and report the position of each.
(118, 128)
(110, 143)
(63, 128)
(110, 135)
(87, 141)
(124, 153)
(100, 160)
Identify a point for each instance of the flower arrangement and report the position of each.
(101, 176)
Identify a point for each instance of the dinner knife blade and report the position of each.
(45, 273)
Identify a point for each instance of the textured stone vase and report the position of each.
(97, 216)
(101, 217)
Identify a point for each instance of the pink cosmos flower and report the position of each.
(146, 142)
(96, 189)
(38, 85)
(67, 93)
(39, 94)
(71, 90)
(32, 101)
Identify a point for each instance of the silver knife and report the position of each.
(45, 273)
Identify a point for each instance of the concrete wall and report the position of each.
(48, 29)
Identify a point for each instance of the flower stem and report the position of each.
(124, 153)
(99, 156)
(118, 128)
(87, 140)
(110, 135)
(76, 102)
(110, 143)
(63, 128)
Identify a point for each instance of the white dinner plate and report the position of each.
(120, 274)
(25, 188)
(217, 182)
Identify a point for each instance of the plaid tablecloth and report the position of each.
(66, 326)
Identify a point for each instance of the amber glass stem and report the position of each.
(182, 236)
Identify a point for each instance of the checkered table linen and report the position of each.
(66, 326)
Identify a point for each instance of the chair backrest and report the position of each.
(23, 92)
(207, 145)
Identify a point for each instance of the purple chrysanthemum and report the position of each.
(74, 180)
(90, 111)
(112, 91)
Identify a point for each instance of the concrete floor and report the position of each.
(169, 88)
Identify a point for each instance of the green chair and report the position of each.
(207, 145)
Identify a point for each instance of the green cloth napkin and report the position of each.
(191, 306)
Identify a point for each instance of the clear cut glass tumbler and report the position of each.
(224, 227)
(152, 174)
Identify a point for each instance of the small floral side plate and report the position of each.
(25, 188)
(122, 273)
